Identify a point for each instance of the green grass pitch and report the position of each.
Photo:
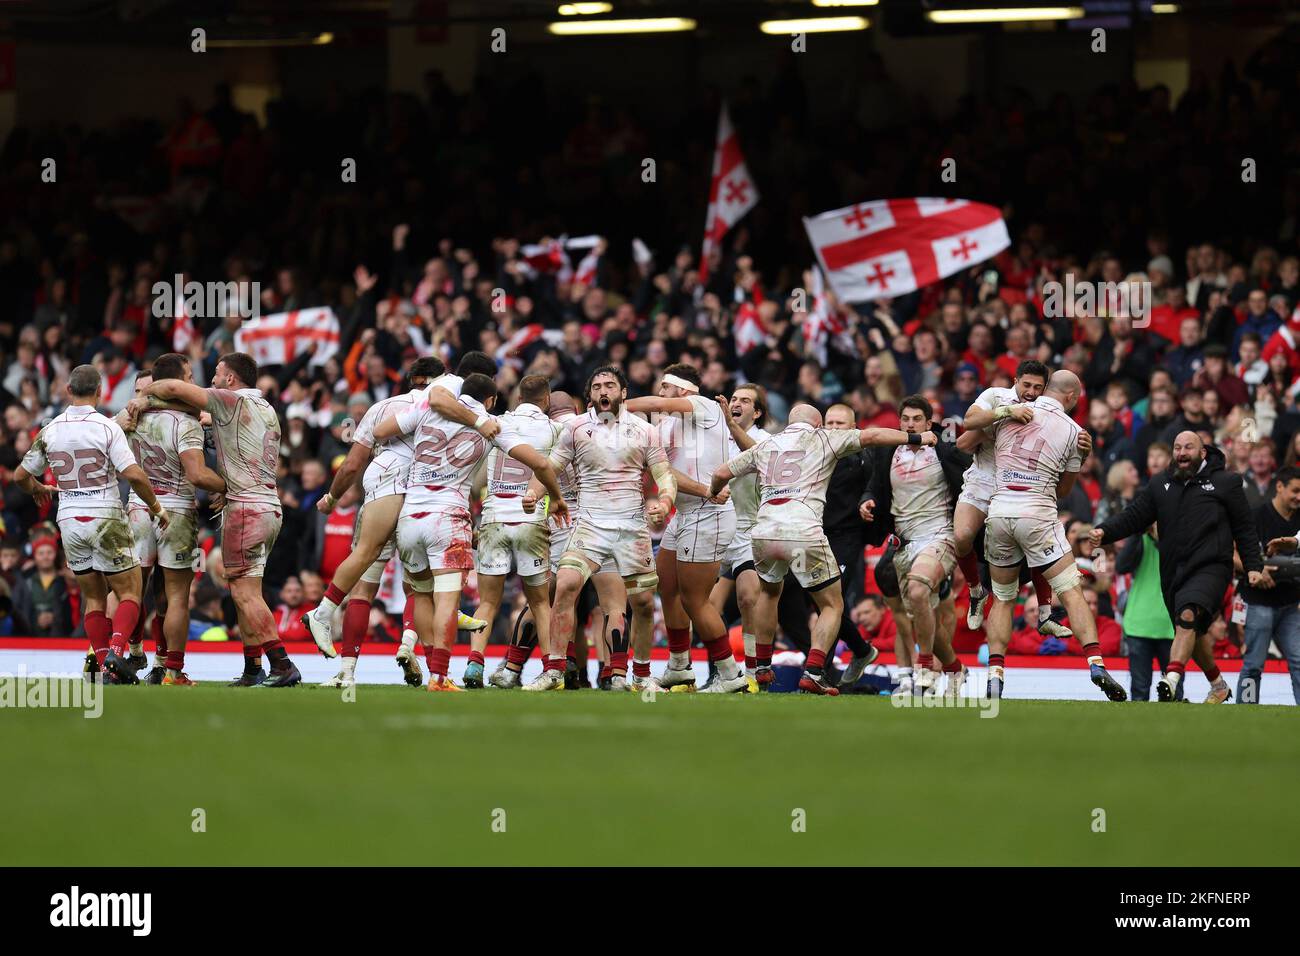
(401, 776)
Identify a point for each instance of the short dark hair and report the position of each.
(683, 370)
(479, 386)
(920, 403)
(1287, 475)
(533, 388)
(1033, 367)
(428, 367)
(169, 365)
(243, 366)
(476, 363)
(603, 370)
(84, 381)
(760, 399)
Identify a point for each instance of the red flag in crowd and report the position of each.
(279, 339)
(825, 321)
(732, 193)
(748, 328)
(890, 247)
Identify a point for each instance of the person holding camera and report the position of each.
(1273, 613)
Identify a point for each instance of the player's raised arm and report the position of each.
(980, 416)
(199, 474)
(449, 407)
(873, 437)
(649, 404)
(173, 390)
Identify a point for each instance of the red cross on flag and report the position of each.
(732, 193)
(889, 247)
(279, 339)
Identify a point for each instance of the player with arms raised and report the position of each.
(86, 453)
(1037, 461)
(794, 468)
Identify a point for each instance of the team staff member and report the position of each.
(1273, 614)
(1200, 511)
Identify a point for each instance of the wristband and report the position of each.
(480, 421)
(157, 508)
(1002, 412)
(914, 438)
(330, 500)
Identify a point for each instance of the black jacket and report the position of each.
(1199, 520)
(847, 489)
(954, 464)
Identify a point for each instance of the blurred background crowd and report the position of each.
(450, 239)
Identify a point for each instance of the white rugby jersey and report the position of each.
(508, 479)
(446, 456)
(990, 399)
(697, 444)
(392, 457)
(744, 490)
(920, 499)
(1031, 458)
(86, 452)
(247, 434)
(609, 456)
(566, 478)
(794, 468)
(157, 442)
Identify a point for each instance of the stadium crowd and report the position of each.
(444, 243)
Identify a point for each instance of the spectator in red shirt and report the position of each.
(869, 410)
(1216, 375)
(288, 623)
(1019, 341)
(875, 622)
(1027, 640)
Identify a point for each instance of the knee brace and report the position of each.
(1194, 617)
(442, 583)
(575, 562)
(638, 583)
(420, 585)
(1066, 580)
(1006, 593)
(536, 580)
(373, 574)
(921, 579)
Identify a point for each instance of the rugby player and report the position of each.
(246, 431)
(434, 532)
(1036, 462)
(168, 445)
(794, 468)
(695, 435)
(86, 452)
(383, 467)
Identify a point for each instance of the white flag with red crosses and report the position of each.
(279, 339)
(889, 247)
(732, 193)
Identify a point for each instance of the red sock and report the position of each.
(124, 621)
(100, 633)
(719, 649)
(954, 667)
(970, 569)
(518, 655)
(252, 657)
(552, 663)
(1092, 650)
(428, 655)
(356, 621)
(1042, 590)
(641, 668)
(679, 639)
(816, 660)
(763, 655)
(276, 654)
(176, 661)
(750, 662)
(997, 660)
(1212, 673)
(923, 661)
(570, 651)
(439, 661)
(618, 662)
(604, 670)
(408, 614)
(476, 657)
(332, 593)
(1176, 667)
(156, 631)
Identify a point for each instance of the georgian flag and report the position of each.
(826, 323)
(511, 351)
(280, 338)
(748, 329)
(731, 194)
(889, 247)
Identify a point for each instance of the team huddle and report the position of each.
(569, 501)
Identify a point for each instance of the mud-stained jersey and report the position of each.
(920, 498)
(157, 442)
(990, 399)
(697, 444)
(247, 435)
(507, 479)
(609, 457)
(86, 452)
(744, 490)
(446, 456)
(566, 478)
(392, 458)
(793, 468)
(1031, 458)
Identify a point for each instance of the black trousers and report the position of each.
(792, 610)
